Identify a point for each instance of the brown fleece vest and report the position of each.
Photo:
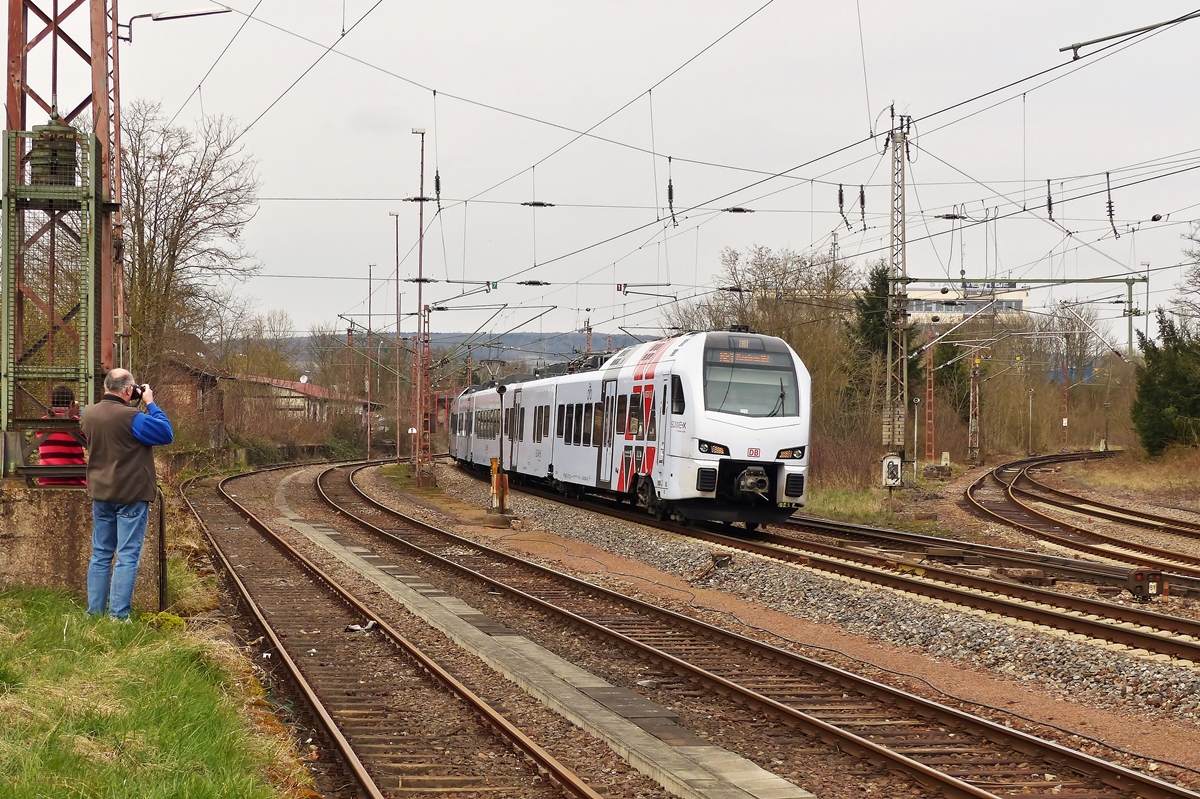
(120, 468)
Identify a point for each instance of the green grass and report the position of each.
(862, 506)
(96, 708)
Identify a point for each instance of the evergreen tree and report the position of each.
(1166, 410)
(869, 327)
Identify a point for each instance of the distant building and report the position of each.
(958, 302)
(299, 400)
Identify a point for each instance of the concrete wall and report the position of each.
(46, 542)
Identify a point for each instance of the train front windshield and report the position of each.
(750, 383)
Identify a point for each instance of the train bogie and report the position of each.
(699, 426)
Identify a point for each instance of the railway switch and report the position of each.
(1145, 584)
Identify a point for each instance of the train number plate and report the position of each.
(753, 452)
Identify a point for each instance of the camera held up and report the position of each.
(135, 396)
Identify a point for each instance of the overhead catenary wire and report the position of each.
(311, 67)
(863, 211)
(213, 66)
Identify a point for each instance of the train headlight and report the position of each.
(709, 448)
(794, 453)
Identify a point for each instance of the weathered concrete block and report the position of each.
(46, 542)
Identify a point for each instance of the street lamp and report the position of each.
(163, 16)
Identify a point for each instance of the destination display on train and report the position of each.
(749, 358)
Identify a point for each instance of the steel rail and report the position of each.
(944, 547)
(563, 776)
(1109, 773)
(1115, 513)
(1048, 525)
(883, 570)
(365, 781)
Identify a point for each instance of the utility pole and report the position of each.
(421, 387)
(895, 408)
(396, 216)
(422, 352)
(370, 280)
(973, 456)
(930, 443)
(1065, 388)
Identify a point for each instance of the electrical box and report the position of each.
(892, 475)
(1145, 584)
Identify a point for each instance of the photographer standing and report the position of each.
(121, 482)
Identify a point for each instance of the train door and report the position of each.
(664, 427)
(514, 432)
(609, 391)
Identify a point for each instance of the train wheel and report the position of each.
(751, 526)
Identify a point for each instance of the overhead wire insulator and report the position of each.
(1049, 201)
(842, 206)
(862, 205)
(1111, 220)
(671, 194)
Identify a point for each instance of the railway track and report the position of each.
(1008, 494)
(1136, 627)
(401, 724)
(948, 751)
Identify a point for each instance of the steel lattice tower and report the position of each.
(896, 399)
(63, 279)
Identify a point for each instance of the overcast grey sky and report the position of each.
(785, 90)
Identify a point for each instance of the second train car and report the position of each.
(704, 426)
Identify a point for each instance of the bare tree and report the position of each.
(1187, 304)
(269, 348)
(187, 198)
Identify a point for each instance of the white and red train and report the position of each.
(704, 426)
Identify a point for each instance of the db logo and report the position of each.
(753, 452)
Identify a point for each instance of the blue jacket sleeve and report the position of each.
(153, 428)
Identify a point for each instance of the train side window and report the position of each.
(545, 421)
(521, 424)
(652, 422)
(587, 425)
(575, 439)
(621, 402)
(570, 423)
(678, 405)
(598, 424)
(561, 408)
(537, 423)
(636, 423)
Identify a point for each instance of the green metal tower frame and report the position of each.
(51, 213)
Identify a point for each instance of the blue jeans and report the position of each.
(117, 529)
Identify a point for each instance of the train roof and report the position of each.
(715, 339)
